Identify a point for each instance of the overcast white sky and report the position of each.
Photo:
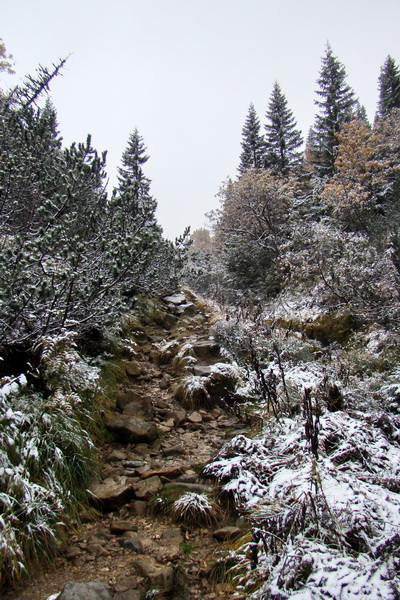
(184, 73)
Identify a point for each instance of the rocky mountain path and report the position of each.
(130, 546)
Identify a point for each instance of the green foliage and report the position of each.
(389, 87)
(336, 102)
(253, 144)
(70, 257)
(282, 138)
(46, 462)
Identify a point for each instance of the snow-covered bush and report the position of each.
(45, 466)
(196, 510)
(311, 518)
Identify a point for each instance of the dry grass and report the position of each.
(196, 510)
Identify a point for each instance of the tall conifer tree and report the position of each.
(336, 103)
(131, 178)
(389, 87)
(282, 137)
(253, 144)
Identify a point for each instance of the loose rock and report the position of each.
(158, 576)
(131, 429)
(95, 590)
(148, 487)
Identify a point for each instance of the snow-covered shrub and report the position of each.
(200, 392)
(196, 510)
(184, 358)
(192, 392)
(45, 466)
(312, 518)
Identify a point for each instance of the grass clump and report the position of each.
(196, 510)
(46, 463)
(192, 392)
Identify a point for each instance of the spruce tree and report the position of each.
(131, 177)
(253, 144)
(336, 103)
(389, 87)
(282, 137)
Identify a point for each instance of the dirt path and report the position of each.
(132, 544)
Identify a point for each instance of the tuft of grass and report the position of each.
(196, 510)
(186, 547)
(222, 570)
(46, 464)
(161, 505)
(192, 392)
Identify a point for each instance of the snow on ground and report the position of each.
(326, 526)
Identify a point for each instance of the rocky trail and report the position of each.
(130, 547)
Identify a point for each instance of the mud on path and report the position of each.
(130, 542)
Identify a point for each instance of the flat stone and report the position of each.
(177, 414)
(135, 401)
(129, 429)
(186, 310)
(109, 495)
(168, 472)
(133, 464)
(195, 417)
(176, 489)
(118, 455)
(120, 527)
(97, 550)
(187, 478)
(175, 299)
(148, 487)
(133, 542)
(125, 397)
(142, 409)
(72, 552)
(133, 369)
(95, 590)
(177, 450)
(172, 537)
(157, 576)
(201, 370)
(128, 583)
(205, 348)
(227, 533)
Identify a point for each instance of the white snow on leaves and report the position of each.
(341, 511)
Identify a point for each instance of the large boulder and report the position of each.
(130, 429)
(94, 590)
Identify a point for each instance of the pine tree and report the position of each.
(389, 87)
(253, 144)
(336, 103)
(131, 177)
(282, 137)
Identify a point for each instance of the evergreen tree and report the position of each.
(282, 137)
(253, 144)
(389, 87)
(131, 177)
(336, 104)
